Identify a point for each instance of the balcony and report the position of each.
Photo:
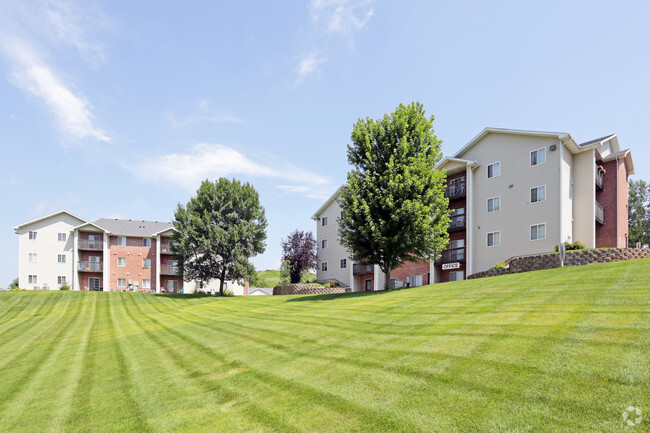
(455, 191)
(85, 244)
(452, 255)
(600, 213)
(362, 269)
(457, 223)
(166, 249)
(170, 270)
(90, 266)
(600, 178)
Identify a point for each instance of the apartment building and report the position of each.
(107, 254)
(511, 192)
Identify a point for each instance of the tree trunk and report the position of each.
(221, 281)
(387, 283)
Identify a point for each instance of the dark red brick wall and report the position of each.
(607, 234)
(409, 269)
(444, 276)
(134, 252)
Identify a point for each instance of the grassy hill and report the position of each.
(271, 278)
(563, 350)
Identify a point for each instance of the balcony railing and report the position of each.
(166, 249)
(170, 269)
(90, 266)
(455, 190)
(600, 213)
(362, 269)
(457, 223)
(85, 244)
(452, 255)
(600, 178)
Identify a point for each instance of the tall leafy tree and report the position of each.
(300, 253)
(219, 230)
(639, 213)
(393, 206)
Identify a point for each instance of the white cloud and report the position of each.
(72, 112)
(211, 161)
(342, 16)
(203, 114)
(308, 64)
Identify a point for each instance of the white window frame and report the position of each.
(121, 280)
(121, 259)
(32, 257)
(33, 234)
(487, 239)
(146, 283)
(530, 232)
(324, 243)
(120, 242)
(343, 263)
(455, 273)
(323, 221)
(498, 198)
(487, 171)
(146, 242)
(531, 194)
(323, 266)
(146, 261)
(61, 258)
(32, 279)
(62, 237)
(61, 280)
(459, 243)
(537, 151)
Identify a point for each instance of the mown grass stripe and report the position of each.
(27, 324)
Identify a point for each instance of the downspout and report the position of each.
(468, 227)
(561, 192)
(617, 210)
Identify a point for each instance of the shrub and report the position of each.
(500, 265)
(227, 292)
(568, 246)
(64, 286)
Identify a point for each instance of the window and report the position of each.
(121, 282)
(32, 279)
(324, 243)
(60, 258)
(121, 262)
(537, 232)
(62, 237)
(538, 194)
(146, 263)
(60, 279)
(344, 263)
(414, 281)
(460, 211)
(324, 221)
(94, 238)
(538, 156)
(494, 239)
(494, 204)
(456, 276)
(457, 244)
(146, 242)
(146, 284)
(323, 266)
(494, 170)
(33, 257)
(121, 241)
(172, 285)
(32, 235)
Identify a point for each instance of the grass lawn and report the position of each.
(562, 350)
(271, 278)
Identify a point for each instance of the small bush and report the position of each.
(568, 246)
(227, 292)
(64, 287)
(500, 265)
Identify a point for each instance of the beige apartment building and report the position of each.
(511, 192)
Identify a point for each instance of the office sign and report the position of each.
(446, 266)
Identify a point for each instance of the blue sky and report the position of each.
(121, 108)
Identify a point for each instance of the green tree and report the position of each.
(14, 284)
(219, 230)
(639, 213)
(393, 205)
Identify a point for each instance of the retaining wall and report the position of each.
(306, 289)
(572, 258)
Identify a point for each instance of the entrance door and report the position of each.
(93, 283)
(368, 285)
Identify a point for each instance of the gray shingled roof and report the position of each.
(134, 228)
(596, 140)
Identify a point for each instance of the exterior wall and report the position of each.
(133, 272)
(566, 195)
(623, 193)
(47, 246)
(517, 213)
(409, 269)
(334, 251)
(584, 188)
(607, 233)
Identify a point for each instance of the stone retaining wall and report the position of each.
(306, 289)
(572, 258)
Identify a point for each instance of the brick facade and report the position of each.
(134, 273)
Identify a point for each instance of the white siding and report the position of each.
(334, 251)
